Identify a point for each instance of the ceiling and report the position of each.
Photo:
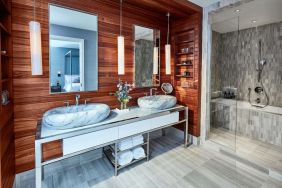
(71, 18)
(177, 8)
(262, 11)
(204, 3)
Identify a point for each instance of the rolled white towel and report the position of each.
(124, 157)
(138, 153)
(137, 140)
(125, 144)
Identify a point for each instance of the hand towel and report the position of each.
(138, 153)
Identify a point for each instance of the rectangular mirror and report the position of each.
(73, 39)
(146, 57)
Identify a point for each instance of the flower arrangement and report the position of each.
(122, 93)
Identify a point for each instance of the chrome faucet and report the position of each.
(85, 101)
(67, 103)
(151, 91)
(77, 97)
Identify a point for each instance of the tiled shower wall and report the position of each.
(251, 123)
(216, 84)
(235, 58)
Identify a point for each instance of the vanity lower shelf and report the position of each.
(108, 153)
(110, 150)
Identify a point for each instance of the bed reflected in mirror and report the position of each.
(73, 50)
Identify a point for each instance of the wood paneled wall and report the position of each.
(31, 93)
(7, 151)
(190, 97)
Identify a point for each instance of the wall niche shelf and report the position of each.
(186, 41)
(5, 80)
(4, 10)
(4, 30)
(6, 103)
(185, 65)
(7, 151)
(183, 76)
(184, 52)
(5, 55)
(187, 53)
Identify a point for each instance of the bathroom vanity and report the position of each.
(85, 127)
(119, 125)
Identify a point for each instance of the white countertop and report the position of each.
(115, 116)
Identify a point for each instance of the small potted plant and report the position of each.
(122, 93)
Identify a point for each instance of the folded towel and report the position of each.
(138, 153)
(137, 140)
(138, 137)
(125, 144)
(124, 157)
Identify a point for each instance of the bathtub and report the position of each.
(264, 124)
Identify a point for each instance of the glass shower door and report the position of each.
(223, 106)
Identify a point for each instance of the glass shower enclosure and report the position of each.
(224, 92)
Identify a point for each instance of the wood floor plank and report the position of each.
(265, 155)
(171, 165)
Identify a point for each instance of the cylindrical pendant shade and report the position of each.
(167, 59)
(156, 61)
(35, 48)
(120, 55)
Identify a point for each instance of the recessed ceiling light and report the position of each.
(254, 21)
(237, 10)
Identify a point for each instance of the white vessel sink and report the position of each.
(75, 116)
(157, 102)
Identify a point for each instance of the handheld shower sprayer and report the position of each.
(261, 62)
(260, 89)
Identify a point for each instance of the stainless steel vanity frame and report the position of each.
(39, 163)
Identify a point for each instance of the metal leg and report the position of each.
(38, 166)
(116, 160)
(163, 132)
(148, 146)
(186, 128)
(103, 152)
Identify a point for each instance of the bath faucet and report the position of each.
(85, 101)
(151, 91)
(67, 103)
(77, 97)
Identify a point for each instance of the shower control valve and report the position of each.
(258, 100)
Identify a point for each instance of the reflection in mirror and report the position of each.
(73, 50)
(147, 58)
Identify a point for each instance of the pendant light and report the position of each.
(35, 46)
(156, 56)
(120, 46)
(156, 60)
(167, 50)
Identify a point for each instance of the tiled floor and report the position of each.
(265, 155)
(171, 166)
